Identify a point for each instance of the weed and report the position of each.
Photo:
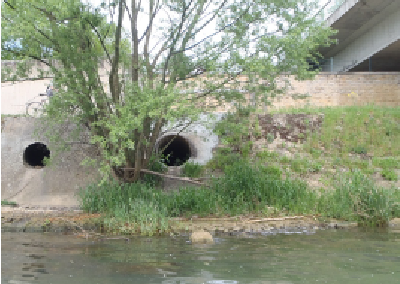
(10, 203)
(359, 150)
(315, 167)
(270, 138)
(155, 165)
(389, 175)
(222, 158)
(386, 163)
(299, 166)
(268, 155)
(274, 171)
(192, 170)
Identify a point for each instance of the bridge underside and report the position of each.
(387, 59)
(368, 37)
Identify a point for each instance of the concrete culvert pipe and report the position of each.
(35, 153)
(177, 150)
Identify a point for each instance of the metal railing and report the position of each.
(328, 7)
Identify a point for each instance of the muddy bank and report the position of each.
(75, 221)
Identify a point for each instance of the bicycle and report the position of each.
(35, 108)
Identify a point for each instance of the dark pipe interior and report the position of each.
(35, 153)
(177, 152)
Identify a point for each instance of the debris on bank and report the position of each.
(74, 221)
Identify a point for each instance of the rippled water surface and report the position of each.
(324, 257)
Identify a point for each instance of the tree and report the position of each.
(183, 54)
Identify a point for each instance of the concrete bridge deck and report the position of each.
(368, 37)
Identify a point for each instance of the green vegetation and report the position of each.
(222, 158)
(10, 203)
(387, 163)
(192, 170)
(166, 77)
(389, 174)
(244, 189)
(155, 165)
(360, 129)
(356, 198)
(268, 183)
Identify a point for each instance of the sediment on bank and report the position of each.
(15, 219)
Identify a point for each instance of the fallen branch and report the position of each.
(277, 219)
(168, 176)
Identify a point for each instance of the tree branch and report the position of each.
(183, 17)
(167, 176)
(30, 56)
(101, 40)
(215, 33)
(149, 26)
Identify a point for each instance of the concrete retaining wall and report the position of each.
(54, 185)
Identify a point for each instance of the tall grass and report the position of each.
(357, 198)
(244, 189)
(128, 208)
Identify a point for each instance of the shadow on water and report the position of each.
(333, 256)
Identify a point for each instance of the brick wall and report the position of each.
(327, 89)
(352, 88)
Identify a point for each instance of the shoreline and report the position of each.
(75, 221)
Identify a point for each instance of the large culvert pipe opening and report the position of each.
(177, 150)
(35, 153)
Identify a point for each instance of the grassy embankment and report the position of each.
(355, 157)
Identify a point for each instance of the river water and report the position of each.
(331, 256)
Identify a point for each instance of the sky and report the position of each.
(325, 5)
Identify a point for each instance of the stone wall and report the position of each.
(352, 88)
